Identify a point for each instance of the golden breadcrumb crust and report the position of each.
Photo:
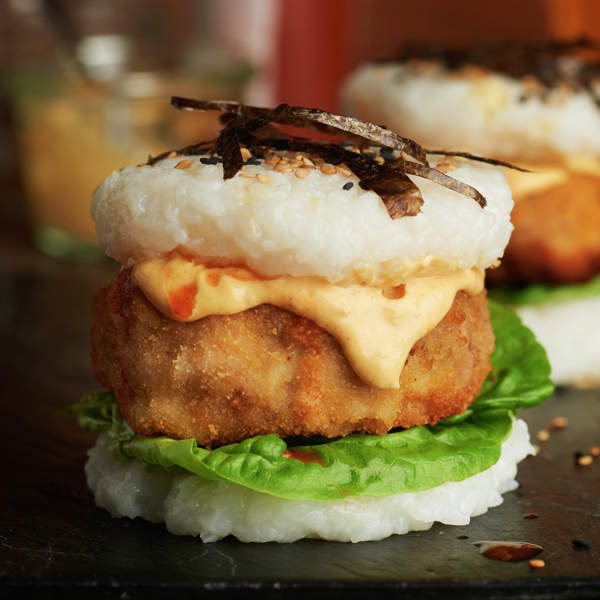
(556, 237)
(266, 370)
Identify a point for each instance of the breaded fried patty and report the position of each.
(222, 379)
(557, 235)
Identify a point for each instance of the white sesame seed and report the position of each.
(183, 164)
(543, 435)
(263, 178)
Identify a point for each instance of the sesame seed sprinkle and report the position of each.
(183, 164)
(560, 422)
(263, 178)
(543, 435)
(537, 563)
(348, 186)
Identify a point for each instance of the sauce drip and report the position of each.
(375, 332)
(304, 456)
(508, 551)
(183, 300)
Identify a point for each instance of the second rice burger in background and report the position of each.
(538, 106)
(299, 342)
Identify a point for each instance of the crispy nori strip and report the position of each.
(252, 127)
(442, 179)
(312, 118)
(476, 157)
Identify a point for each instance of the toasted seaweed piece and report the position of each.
(442, 179)
(312, 118)
(252, 127)
(476, 157)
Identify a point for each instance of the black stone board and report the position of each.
(54, 542)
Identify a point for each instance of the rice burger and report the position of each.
(299, 342)
(536, 104)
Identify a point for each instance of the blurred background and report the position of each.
(85, 84)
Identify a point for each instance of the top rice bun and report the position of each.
(302, 224)
(474, 109)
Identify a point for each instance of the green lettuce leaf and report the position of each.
(402, 461)
(544, 293)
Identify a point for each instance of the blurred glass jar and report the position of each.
(79, 122)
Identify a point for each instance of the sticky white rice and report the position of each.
(570, 332)
(190, 505)
(478, 111)
(301, 226)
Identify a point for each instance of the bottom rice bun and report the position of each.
(299, 342)
(192, 505)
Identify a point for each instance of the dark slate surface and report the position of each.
(55, 543)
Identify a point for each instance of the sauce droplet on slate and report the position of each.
(508, 551)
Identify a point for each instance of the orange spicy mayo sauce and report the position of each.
(375, 329)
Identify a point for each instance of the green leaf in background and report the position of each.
(411, 460)
(544, 293)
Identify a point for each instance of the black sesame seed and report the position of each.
(370, 154)
(258, 154)
(196, 152)
(580, 544)
(252, 161)
(348, 186)
(211, 160)
(387, 154)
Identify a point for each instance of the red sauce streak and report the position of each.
(183, 300)
(212, 279)
(241, 274)
(304, 456)
(184, 254)
(509, 551)
(394, 293)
